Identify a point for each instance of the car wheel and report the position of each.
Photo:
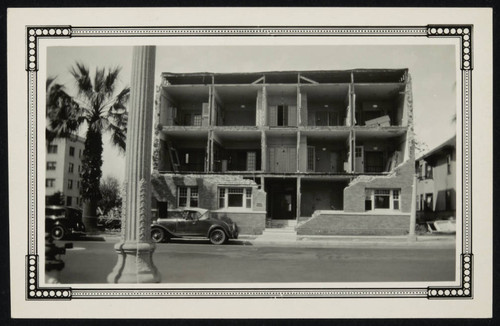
(57, 232)
(217, 237)
(157, 235)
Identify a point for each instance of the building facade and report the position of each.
(63, 166)
(436, 182)
(327, 152)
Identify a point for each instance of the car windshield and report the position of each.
(195, 215)
(55, 211)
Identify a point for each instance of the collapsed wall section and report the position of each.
(401, 178)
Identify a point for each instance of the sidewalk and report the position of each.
(423, 241)
(315, 241)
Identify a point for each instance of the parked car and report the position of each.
(193, 222)
(62, 222)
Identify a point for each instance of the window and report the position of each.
(368, 199)
(49, 183)
(69, 201)
(311, 157)
(187, 196)
(428, 202)
(193, 199)
(248, 192)
(197, 120)
(71, 167)
(52, 149)
(428, 171)
(70, 184)
(79, 168)
(282, 115)
(71, 151)
(448, 163)
(422, 202)
(251, 161)
(235, 197)
(395, 199)
(78, 185)
(222, 197)
(382, 199)
(51, 165)
(79, 153)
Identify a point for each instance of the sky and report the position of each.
(432, 68)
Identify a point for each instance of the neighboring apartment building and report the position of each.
(436, 184)
(62, 172)
(328, 152)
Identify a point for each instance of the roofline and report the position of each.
(402, 70)
(448, 142)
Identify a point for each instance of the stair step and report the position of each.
(280, 230)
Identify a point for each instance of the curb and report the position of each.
(340, 241)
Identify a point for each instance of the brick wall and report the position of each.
(351, 224)
(248, 223)
(402, 178)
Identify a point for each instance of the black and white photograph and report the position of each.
(280, 162)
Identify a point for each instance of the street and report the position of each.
(197, 261)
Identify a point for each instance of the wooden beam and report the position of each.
(308, 80)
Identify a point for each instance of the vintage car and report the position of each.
(62, 222)
(191, 223)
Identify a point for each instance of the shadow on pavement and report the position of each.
(89, 238)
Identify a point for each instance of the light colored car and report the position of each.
(193, 223)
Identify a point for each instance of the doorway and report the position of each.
(281, 198)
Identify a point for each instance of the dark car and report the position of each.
(193, 222)
(62, 222)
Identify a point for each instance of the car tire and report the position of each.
(58, 232)
(217, 237)
(158, 235)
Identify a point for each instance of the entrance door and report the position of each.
(359, 159)
(283, 206)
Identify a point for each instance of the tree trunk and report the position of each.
(90, 177)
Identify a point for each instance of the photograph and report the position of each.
(278, 162)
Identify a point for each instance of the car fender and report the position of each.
(217, 226)
(167, 232)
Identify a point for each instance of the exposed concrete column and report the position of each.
(135, 250)
(298, 151)
(211, 150)
(413, 212)
(264, 105)
(299, 192)
(263, 143)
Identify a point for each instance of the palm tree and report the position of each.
(101, 108)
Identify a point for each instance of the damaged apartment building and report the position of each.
(322, 152)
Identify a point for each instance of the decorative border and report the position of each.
(34, 34)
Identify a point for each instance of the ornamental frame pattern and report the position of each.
(37, 34)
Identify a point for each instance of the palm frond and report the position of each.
(111, 78)
(82, 77)
(63, 114)
(99, 80)
(118, 136)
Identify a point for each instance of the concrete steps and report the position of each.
(285, 234)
